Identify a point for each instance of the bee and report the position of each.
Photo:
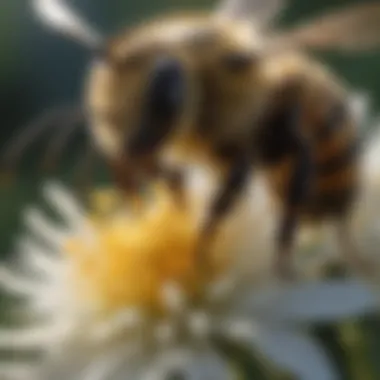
(230, 90)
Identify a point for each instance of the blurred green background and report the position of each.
(39, 69)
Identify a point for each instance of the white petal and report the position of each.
(44, 228)
(208, 366)
(124, 362)
(36, 257)
(67, 206)
(295, 352)
(17, 284)
(48, 302)
(103, 369)
(311, 302)
(17, 371)
(26, 339)
(327, 301)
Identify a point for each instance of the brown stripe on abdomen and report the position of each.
(336, 173)
(340, 161)
(332, 203)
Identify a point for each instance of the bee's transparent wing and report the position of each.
(354, 28)
(60, 17)
(261, 12)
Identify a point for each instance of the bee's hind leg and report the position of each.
(297, 195)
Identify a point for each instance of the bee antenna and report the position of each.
(60, 140)
(13, 153)
(60, 17)
(84, 174)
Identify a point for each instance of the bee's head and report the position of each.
(154, 81)
(139, 93)
(146, 84)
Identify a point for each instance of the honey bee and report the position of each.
(237, 94)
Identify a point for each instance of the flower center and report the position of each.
(126, 259)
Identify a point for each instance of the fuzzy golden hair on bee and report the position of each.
(257, 100)
(231, 90)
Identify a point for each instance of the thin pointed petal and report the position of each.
(17, 371)
(36, 257)
(44, 228)
(294, 352)
(65, 203)
(26, 339)
(18, 285)
(326, 301)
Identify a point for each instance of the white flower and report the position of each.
(113, 295)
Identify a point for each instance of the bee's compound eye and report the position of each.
(164, 100)
(167, 86)
(238, 62)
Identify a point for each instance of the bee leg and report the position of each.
(298, 191)
(176, 181)
(127, 180)
(232, 187)
(173, 176)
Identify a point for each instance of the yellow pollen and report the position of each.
(127, 258)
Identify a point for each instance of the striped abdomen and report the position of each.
(333, 144)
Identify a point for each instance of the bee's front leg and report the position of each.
(232, 187)
(173, 176)
(127, 178)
